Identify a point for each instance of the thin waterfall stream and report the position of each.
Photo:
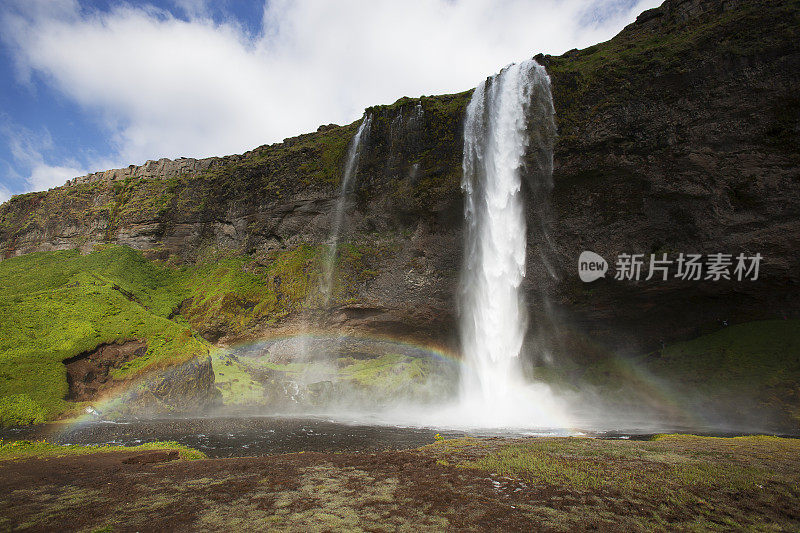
(350, 169)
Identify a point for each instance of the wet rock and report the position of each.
(184, 388)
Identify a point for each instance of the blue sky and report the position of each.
(91, 85)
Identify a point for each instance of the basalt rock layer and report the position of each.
(678, 135)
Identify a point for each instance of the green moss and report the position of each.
(394, 375)
(759, 360)
(24, 449)
(668, 464)
(20, 410)
(234, 382)
(238, 292)
(754, 365)
(57, 305)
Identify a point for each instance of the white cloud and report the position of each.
(29, 150)
(44, 176)
(5, 194)
(166, 87)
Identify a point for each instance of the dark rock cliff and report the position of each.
(681, 134)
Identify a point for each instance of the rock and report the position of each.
(88, 373)
(184, 388)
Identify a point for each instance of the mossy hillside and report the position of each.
(235, 383)
(758, 360)
(395, 376)
(754, 365)
(238, 293)
(384, 378)
(58, 305)
(55, 305)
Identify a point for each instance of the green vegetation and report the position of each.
(239, 292)
(672, 483)
(235, 382)
(392, 375)
(746, 358)
(20, 410)
(25, 449)
(379, 379)
(56, 305)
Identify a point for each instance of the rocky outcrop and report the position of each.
(678, 135)
(162, 169)
(88, 373)
(184, 388)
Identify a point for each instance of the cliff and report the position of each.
(678, 135)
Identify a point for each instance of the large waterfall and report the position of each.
(493, 318)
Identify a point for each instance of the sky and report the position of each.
(93, 85)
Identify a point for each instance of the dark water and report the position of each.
(236, 437)
(260, 436)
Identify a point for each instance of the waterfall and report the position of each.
(507, 113)
(350, 168)
(305, 347)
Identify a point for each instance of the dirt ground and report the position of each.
(681, 483)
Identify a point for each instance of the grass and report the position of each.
(666, 463)
(674, 481)
(25, 449)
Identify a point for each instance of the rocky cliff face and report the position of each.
(678, 135)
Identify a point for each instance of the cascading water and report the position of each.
(303, 346)
(493, 318)
(351, 166)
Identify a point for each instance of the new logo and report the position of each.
(591, 266)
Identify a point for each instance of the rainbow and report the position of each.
(656, 392)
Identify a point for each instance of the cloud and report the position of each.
(5, 194)
(30, 150)
(162, 86)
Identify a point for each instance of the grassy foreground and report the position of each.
(671, 483)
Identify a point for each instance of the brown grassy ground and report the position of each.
(558, 484)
